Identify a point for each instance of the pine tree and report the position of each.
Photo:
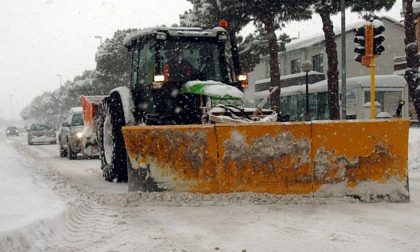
(113, 63)
(273, 15)
(208, 13)
(412, 55)
(327, 8)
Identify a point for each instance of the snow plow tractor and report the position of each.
(182, 126)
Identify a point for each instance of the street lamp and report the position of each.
(59, 103)
(59, 75)
(306, 67)
(11, 106)
(100, 38)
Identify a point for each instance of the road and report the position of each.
(78, 211)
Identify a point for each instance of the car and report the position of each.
(12, 131)
(41, 133)
(71, 133)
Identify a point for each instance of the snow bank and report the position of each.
(24, 198)
(414, 149)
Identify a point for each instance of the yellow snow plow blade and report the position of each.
(362, 159)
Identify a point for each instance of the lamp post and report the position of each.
(11, 107)
(306, 67)
(59, 103)
(100, 38)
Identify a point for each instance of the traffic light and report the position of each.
(360, 41)
(378, 37)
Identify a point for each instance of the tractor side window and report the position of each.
(134, 66)
(146, 64)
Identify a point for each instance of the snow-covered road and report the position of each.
(54, 204)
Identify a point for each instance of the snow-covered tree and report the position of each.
(254, 47)
(273, 15)
(208, 13)
(412, 55)
(327, 8)
(113, 63)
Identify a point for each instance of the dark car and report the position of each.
(12, 131)
(41, 133)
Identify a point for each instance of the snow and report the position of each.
(76, 110)
(173, 31)
(217, 89)
(102, 216)
(354, 82)
(318, 39)
(127, 103)
(23, 198)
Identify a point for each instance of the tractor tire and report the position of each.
(63, 152)
(111, 142)
(70, 153)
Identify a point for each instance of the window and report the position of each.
(204, 60)
(77, 119)
(146, 63)
(295, 66)
(318, 62)
(389, 100)
(134, 66)
(262, 86)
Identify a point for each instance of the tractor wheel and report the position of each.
(63, 152)
(70, 153)
(111, 141)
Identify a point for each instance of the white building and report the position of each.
(313, 49)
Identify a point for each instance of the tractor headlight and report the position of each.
(79, 134)
(243, 78)
(161, 36)
(159, 78)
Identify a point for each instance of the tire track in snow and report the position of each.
(85, 225)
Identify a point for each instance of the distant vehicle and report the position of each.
(12, 131)
(71, 133)
(390, 91)
(41, 133)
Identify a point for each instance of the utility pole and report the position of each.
(59, 103)
(343, 62)
(100, 38)
(11, 106)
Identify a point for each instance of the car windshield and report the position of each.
(192, 60)
(40, 127)
(77, 119)
(11, 128)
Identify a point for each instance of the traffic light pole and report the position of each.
(372, 88)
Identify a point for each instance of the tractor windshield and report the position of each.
(186, 60)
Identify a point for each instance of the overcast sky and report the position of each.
(40, 39)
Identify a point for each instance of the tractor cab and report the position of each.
(164, 60)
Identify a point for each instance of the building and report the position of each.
(313, 49)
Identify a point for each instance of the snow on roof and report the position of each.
(319, 38)
(76, 110)
(173, 31)
(290, 76)
(416, 6)
(383, 81)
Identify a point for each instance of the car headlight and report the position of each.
(79, 134)
(7, 131)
